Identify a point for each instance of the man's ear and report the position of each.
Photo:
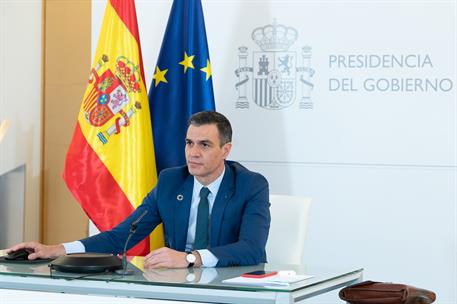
(226, 149)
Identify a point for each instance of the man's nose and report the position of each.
(194, 151)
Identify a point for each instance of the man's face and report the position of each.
(204, 154)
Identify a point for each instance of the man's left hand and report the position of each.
(165, 258)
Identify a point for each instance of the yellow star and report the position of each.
(187, 62)
(207, 69)
(159, 76)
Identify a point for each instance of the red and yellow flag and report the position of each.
(110, 164)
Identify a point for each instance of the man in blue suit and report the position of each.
(214, 212)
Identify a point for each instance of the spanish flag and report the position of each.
(110, 164)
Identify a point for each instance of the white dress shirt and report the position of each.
(208, 259)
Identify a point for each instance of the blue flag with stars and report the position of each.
(182, 82)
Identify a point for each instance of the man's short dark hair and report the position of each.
(214, 118)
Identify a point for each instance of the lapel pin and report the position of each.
(180, 197)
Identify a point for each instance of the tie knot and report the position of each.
(204, 192)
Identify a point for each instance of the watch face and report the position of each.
(191, 258)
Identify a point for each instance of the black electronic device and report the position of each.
(18, 255)
(259, 274)
(96, 262)
(21, 256)
(133, 228)
(86, 263)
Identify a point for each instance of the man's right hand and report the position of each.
(39, 250)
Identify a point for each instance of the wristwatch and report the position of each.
(190, 258)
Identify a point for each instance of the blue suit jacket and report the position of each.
(240, 218)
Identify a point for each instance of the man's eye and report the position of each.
(188, 143)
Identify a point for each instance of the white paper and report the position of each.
(268, 281)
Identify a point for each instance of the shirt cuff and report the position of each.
(74, 247)
(208, 259)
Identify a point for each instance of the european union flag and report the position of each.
(182, 82)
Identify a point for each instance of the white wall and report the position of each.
(20, 99)
(380, 165)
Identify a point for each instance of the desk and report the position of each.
(167, 284)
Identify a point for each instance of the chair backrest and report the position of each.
(289, 217)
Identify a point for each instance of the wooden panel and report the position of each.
(66, 68)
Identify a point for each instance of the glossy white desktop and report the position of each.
(179, 284)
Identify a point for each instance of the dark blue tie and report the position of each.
(201, 231)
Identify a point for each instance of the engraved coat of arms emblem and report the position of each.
(277, 74)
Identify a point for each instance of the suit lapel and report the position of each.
(223, 196)
(183, 201)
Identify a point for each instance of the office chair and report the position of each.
(289, 217)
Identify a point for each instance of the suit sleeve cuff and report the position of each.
(74, 247)
(208, 259)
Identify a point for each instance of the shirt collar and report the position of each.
(213, 187)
